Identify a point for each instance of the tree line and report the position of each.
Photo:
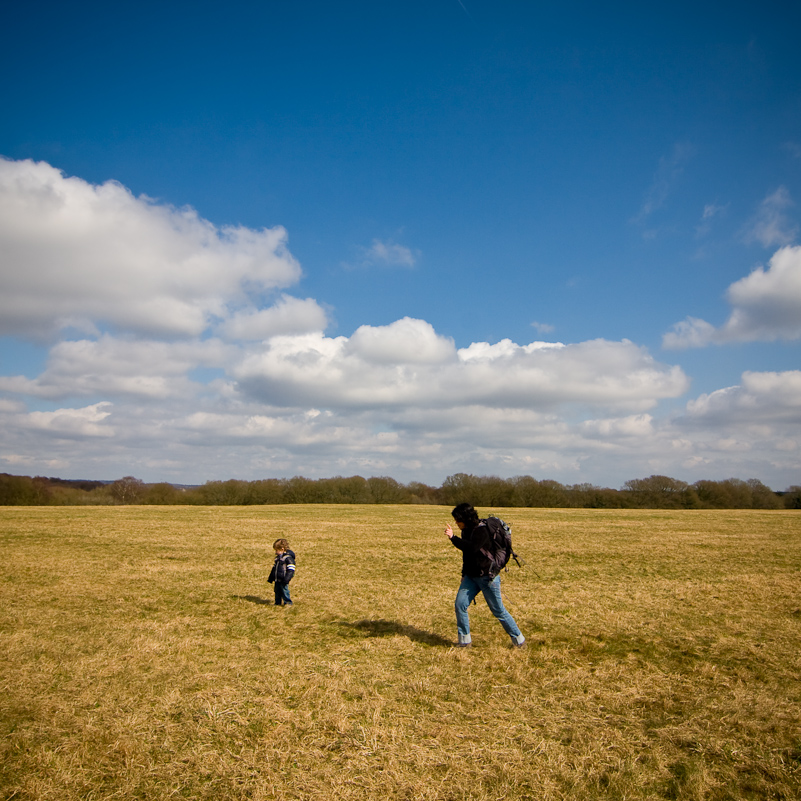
(654, 492)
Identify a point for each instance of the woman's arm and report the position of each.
(455, 539)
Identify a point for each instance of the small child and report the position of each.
(282, 572)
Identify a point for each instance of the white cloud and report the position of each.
(406, 363)
(542, 328)
(766, 306)
(75, 254)
(72, 423)
(770, 226)
(201, 380)
(503, 349)
(763, 399)
(711, 211)
(405, 341)
(288, 316)
(221, 432)
(748, 430)
(113, 367)
(689, 333)
(388, 254)
(397, 399)
(639, 425)
(667, 174)
(11, 405)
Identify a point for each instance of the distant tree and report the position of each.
(739, 493)
(326, 490)
(607, 498)
(162, 494)
(659, 492)
(266, 491)
(356, 489)
(68, 495)
(42, 490)
(384, 489)
(733, 493)
(81, 484)
(591, 496)
(340, 489)
(460, 488)
(494, 491)
(712, 494)
(763, 497)
(232, 492)
(128, 490)
(300, 490)
(792, 497)
(526, 491)
(17, 490)
(532, 493)
(422, 493)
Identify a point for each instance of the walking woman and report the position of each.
(477, 575)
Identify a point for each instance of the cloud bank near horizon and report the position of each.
(176, 353)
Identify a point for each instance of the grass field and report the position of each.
(141, 657)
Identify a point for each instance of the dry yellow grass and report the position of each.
(140, 657)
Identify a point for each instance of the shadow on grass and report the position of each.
(388, 628)
(254, 599)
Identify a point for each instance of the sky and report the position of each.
(260, 240)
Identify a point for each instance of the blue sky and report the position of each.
(254, 240)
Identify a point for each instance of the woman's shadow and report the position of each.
(389, 628)
(375, 628)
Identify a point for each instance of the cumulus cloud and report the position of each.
(766, 307)
(406, 363)
(78, 255)
(761, 399)
(767, 303)
(690, 333)
(753, 427)
(405, 341)
(190, 368)
(114, 367)
(464, 413)
(632, 426)
(771, 226)
(288, 316)
(72, 423)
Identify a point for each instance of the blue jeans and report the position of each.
(491, 588)
(282, 594)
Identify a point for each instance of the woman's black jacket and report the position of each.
(470, 543)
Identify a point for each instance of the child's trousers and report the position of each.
(282, 594)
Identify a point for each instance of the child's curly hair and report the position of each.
(281, 545)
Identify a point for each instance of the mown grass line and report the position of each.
(141, 657)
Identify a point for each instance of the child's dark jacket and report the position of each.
(284, 568)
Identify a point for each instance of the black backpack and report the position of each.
(501, 549)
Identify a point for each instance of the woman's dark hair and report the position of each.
(465, 513)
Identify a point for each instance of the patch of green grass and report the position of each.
(141, 657)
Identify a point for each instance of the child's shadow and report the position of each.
(254, 599)
(388, 628)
